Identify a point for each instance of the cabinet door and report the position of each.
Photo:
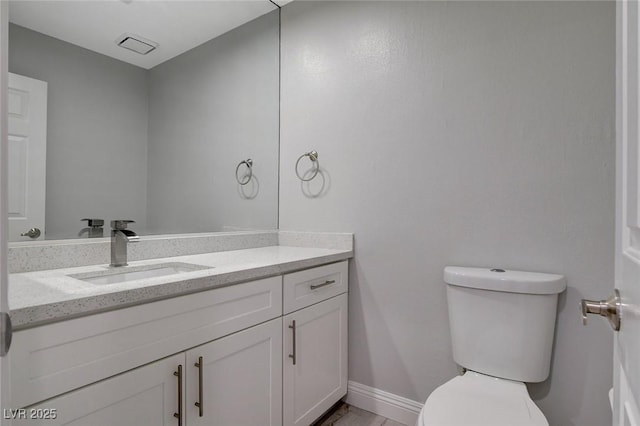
(241, 379)
(146, 396)
(319, 377)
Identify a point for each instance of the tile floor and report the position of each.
(346, 415)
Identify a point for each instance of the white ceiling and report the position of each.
(177, 25)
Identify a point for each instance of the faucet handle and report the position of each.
(120, 224)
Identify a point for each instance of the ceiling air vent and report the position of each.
(136, 43)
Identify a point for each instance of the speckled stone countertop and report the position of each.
(40, 297)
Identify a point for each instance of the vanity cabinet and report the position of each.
(55, 358)
(240, 385)
(220, 357)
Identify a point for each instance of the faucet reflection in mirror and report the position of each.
(94, 228)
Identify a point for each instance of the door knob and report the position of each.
(610, 309)
(31, 233)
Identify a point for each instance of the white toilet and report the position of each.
(502, 325)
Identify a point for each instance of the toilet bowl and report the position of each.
(475, 399)
(502, 325)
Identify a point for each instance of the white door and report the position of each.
(240, 380)
(27, 107)
(626, 391)
(315, 360)
(5, 389)
(145, 396)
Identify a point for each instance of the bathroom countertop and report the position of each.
(40, 297)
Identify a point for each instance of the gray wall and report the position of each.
(96, 131)
(477, 134)
(209, 109)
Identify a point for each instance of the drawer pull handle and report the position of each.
(178, 415)
(293, 328)
(314, 286)
(198, 404)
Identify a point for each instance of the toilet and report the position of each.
(502, 324)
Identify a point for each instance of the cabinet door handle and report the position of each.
(178, 415)
(314, 286)
(198, 404)
(293, 328)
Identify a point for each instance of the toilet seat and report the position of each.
(479, 400)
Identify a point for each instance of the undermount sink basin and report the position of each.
(131, 273)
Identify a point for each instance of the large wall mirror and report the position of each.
(142, 110)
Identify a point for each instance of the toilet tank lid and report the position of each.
(497, 279)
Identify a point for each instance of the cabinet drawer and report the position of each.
(311, 286)
(52, 359)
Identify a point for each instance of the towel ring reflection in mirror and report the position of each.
(247, 177)
(313, 156)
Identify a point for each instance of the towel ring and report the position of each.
(313, 156)
(249, 163)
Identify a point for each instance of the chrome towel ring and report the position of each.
(249, 163)
(313, 156)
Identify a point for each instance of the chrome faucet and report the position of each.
(120, 236)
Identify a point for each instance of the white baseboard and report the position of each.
(383, 403)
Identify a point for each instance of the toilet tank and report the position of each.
(502, 322)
